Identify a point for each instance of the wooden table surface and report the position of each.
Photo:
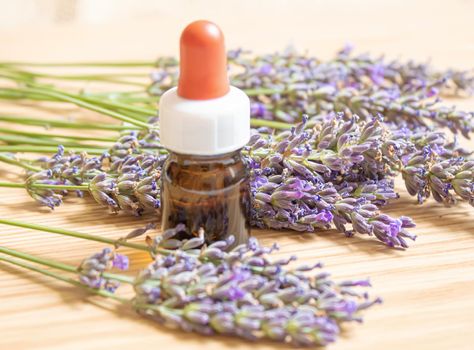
(428, 289)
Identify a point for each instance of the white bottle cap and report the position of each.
(204, 127)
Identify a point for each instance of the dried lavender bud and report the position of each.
(91, 269)
(139, 231)
(71, 168)
(135, 198)
(346, 162)
(120, 262)
(424, 176)
(243, 293)
(44, 196)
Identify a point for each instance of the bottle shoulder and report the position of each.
(205, 172)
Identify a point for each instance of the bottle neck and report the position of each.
(206, 158)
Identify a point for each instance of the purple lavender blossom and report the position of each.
(121, 262)
(246, 294)
(91, 270)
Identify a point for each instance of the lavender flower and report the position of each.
(130, 192)
(444, 179)
(243, 293)
(91, 270)
(71, 168)
(302, 187)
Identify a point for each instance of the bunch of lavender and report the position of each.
(242, 292)
(216, 289)
(347, 69)
(406, 75)
(134, 191)
(303, 179)
(327, 170)
(123, 178)
(332, 169)
(284, 86)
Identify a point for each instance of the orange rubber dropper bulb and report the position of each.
(203, 62)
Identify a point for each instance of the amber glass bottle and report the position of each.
(204, 123)
(211, 192)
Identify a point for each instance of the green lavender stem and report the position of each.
(85, 76)
(270, 123)
(91, 76)
(104, 78)
(100, 292)
(81, 235)
(113, 242)
(263, 91)
(24, 140)
(41, 261)
(83, 187)
(114, 104)
(62, 97)
(28, 76)
(65, 124)
(49, 149)
(58, 265)
(69, 280)
(12, 161)
(53, 135)
(81, 64)
(115, 94)
(151, 101)
(36, 91)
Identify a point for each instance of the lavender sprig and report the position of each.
(443, 179)
(128, 192)
(243, 293)
(91, 270)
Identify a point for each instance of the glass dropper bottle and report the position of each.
(204, 123)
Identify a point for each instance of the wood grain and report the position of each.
(428, 289)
